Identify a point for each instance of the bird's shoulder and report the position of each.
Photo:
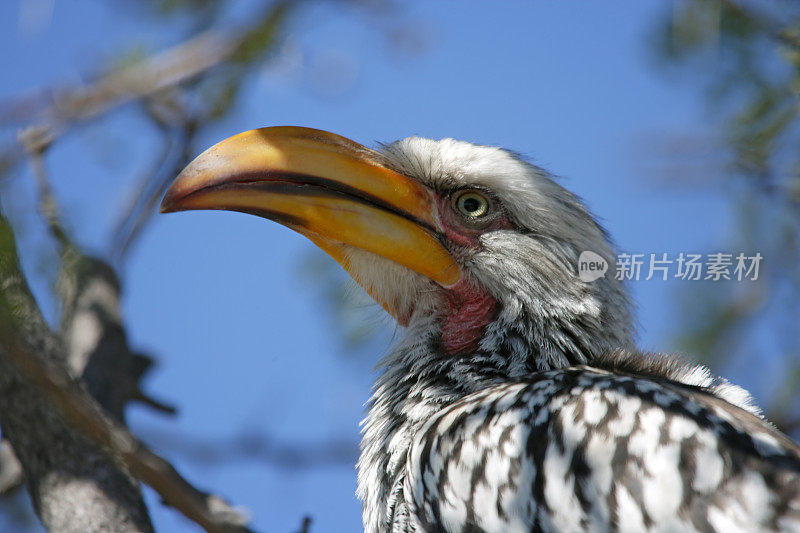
(607, 440)
(605, 396)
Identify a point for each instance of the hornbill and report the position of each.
(515, 400)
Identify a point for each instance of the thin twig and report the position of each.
(305, 525)
(140, 210)
(36, 141)
(259, 447)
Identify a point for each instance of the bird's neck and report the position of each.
(420, 378)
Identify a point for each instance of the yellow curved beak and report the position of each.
(324, 186)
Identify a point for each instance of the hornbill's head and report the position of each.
(468, 241)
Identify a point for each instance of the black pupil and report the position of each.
(471, 204)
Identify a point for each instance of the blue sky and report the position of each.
(244, 339)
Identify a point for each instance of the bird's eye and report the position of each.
(471, 204)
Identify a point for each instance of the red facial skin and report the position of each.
(470, 308)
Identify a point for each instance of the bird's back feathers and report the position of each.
(585, 449)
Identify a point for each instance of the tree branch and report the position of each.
(57, 458)
(305, 525)
(248, 446)
(35, 141)
(57, 110)
(160, 71)
(74, 485)
(175, 156)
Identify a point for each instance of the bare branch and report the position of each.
(183, 62)
(305, 525)
(74, 485)
(75, 405)
(36, 141)
(255, 447)
(165, 69)
(18, 316)
(94, 336)
(174, 156)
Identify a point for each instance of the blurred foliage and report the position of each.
(748, 56)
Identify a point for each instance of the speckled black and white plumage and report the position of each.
(553, 422)
(584, 449)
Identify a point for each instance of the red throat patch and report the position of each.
(469, 310)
